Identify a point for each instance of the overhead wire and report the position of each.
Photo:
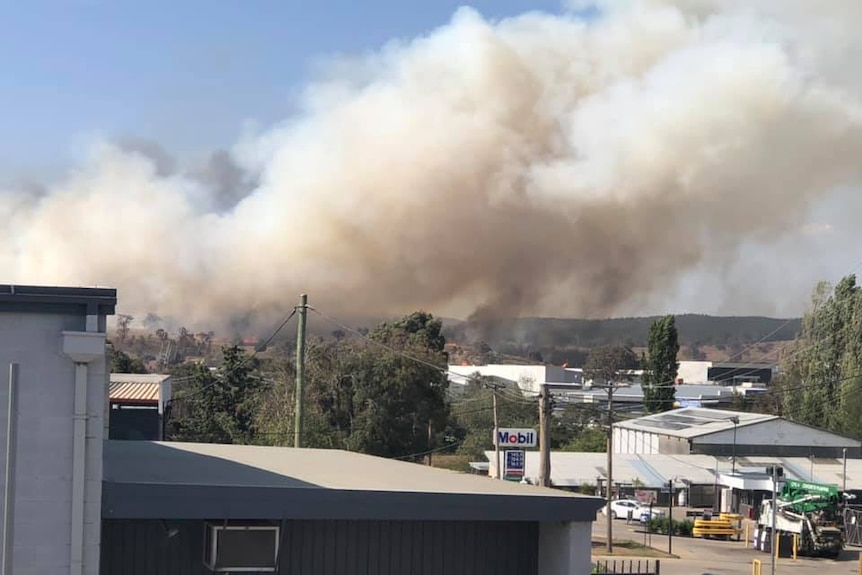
(220, 377)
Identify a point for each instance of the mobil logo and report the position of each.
(515, 438)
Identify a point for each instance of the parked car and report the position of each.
(620, 509)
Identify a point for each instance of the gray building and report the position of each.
(53, 441)
(725, 433)
(85, 504)
(310, 511)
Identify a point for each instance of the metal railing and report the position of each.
(627, 567)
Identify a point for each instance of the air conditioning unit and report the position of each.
(241, 548)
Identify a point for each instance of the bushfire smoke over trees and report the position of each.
(526, 166)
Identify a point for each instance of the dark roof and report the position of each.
(153, 480)
(46, 299)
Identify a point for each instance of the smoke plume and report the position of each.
(543, 164)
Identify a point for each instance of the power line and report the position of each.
(430, 451)
(221, 376)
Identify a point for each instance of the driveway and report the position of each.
(713, 557)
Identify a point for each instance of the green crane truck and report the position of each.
(811, 511)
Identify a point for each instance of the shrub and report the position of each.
(660, 525)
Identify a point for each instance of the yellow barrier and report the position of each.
(747, 535)
(714, 527)
(756, 567)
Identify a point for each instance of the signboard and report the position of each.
(514, 463)
(645, 496)
(515, 438)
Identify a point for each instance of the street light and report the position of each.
(735, 420)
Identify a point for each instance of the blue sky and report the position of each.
(186, 74)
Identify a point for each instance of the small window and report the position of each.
(241, 548)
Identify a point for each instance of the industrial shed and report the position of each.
(138, 402)
(188, 509)
(697, 475)
(721, 432)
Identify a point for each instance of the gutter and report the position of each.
(9, 487)
(79, 459)
(82, 348)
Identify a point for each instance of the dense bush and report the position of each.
(681, 528)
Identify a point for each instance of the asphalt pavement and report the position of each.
(697, 556)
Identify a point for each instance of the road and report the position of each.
(713, 557)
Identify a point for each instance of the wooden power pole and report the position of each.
(610, 464)
(499, 472)
(545, 437)
(300, 369)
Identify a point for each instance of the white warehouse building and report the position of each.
(526, 377)
(719, 432)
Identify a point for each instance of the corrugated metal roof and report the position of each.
(139, 392)
(690, 422)
(134, 387)
(573, 469)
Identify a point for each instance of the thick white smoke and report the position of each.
(542, 164)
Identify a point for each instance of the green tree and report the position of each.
(822, 383)
(589, 439)
(382, 394)
(216, 407)
(472, 421)
(661, 365)
(610, 365)
(123, 321)
(122, 362)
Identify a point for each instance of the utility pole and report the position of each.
(300, 368)
(844, 475)
(430, 435)
(773, 538)
(669, 517)
(735, 421)
(499, 473)
(545, 436)
(610, 464)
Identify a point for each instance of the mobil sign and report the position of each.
(515, 438)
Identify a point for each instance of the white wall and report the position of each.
(694, 371)
(565, 548)
(634, 441)
(43, 474)
(527, 377)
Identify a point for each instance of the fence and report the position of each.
(853, 526)
(627, 567)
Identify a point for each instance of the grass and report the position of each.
(626, 548)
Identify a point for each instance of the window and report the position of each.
(241, 548)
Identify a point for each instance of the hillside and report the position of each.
(549, 340)
(567, 340)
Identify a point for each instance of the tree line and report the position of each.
(384, 392)
(820, 381)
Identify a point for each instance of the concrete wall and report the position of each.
(44, 446)
(564, 548)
